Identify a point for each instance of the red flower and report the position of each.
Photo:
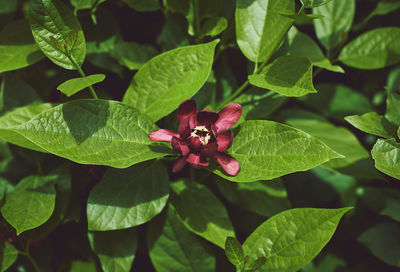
(201, 135)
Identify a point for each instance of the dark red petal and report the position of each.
(195, 143)
(228, 116)
(187, 112)
(207, 117)
(209, 149)
(224, 140)
(180, 146)
(228, 163)
(179, 164)
(196, 161)
(162, 135)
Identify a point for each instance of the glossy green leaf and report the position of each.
(133, 55)
(116, 249)
(265, 198)
(8, 255)
(31, 203)
(292, 238)
(17, 117)
(52, 20)
(72, 86)
(173, 248)
(142, 5)
(386, 154)
(374, 49)
(287, 75)
(383, 240)
(165, 81)
(373, 123)
(213, 26)
(140, 194)
(201, 211)
(254, 21)
(337, 21)
(393, 107)
(256, 264)
(267, 150)
(234, 251)
(302, 45)
(90, 131)
(17, 47)
(314, 3)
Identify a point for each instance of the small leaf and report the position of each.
(17, 47)
(386, 154)
(172, 247)
(31, 203)
(373, 123)
(165, 81)
(213, 26)
(314, 3)
(116, 249)
(201, 211)
(256, 264)
(72, 86)
(142, 192)
(52, 23)
(393, 107)
(374, 49)
(8, 255)
(254, 20)
(287, 75)
(234, 251)
(267, 150)
(291, 239)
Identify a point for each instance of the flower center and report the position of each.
(202, 133)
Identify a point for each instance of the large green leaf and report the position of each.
(165, 81)
(17, 47)
(116, 249)
(260, 27)
(374, 49)
(94, 132)
(287, 75)
(386, 154)
(52, 20)
(292, 238)
(72, 86)
(373, 123)
(17, 117)
(8, 255)
(383, 241)
(201, 211)
(337, 21)
(267, 150)
(139, 194)
(31, 203)
(173, 248)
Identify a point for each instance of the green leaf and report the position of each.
(393, 107)
(142, 5)
(338, 19)
(373, 123)
(314, 3)
(8, 255)
(263, 198)
(302, 45)
(374, 49)
(90, 131)
(165, 81)
(287, 75)
(213, 27)
(133, 55)
(201, 211)
(17, 117)
(267, 150)
(256, 264)
(52, 20)
(234, 251)
(83, 4)
(140, 194)
(31, 203)
(254, 21)
(383, 240)
(173, 33)
(72, 86)
(386, 154)
(292, 238)
(382, 8)
(115, 249)
(17, 47)
(173, 248)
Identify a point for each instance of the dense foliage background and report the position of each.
(82, 188)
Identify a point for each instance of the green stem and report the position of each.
(29, 257)
(80, 71)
